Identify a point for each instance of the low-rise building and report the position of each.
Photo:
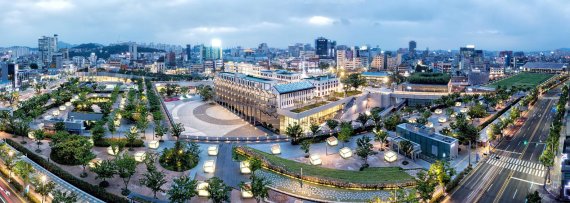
(324, 85)
(433, 145)
(545, 67)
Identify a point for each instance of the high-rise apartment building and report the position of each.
(47, 46)
(133, 50)
(412, 48)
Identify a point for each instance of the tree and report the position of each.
(407, 147)
(533, 197)
(182, 189)
(258, 187)
(294, 131)
(345, 133)
(160, 129)
(254, 165)
(362, 119)
(206, 92)
(219, 191)
(332, 124)
(104, 170)
(126, 168)
(380, 136)
(84, 156)
(364, 149)
(59, 126)
(23, 170)
(98, 132)
(142, 123)
(547, 159)
(39, 135)
(375, 117)
(44, 187)
(153, 179)
(111, 125)
(63, 197)
(442, 172)
(177, 130)
(425, 185)
(131, 136)
(477, 111)
(354, 80)
(392, 122)
(306, 146)
(314, 128)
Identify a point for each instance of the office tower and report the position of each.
(412, 48)
(47, 46)
(263, 48)
(188, 52)
(325, 48)
(133, 50)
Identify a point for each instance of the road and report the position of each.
(7, 194)
(513, 169)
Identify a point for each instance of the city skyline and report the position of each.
(441, 25)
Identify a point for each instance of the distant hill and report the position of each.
(102, 51)
(62, 44)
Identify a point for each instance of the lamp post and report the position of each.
(43, 179)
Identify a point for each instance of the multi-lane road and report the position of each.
(513, 169)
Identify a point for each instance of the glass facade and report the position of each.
(305, 122)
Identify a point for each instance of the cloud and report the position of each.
(447, 24)
(54, 5)
(320, 20)
(213, 30)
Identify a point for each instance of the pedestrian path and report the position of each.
(522, 166)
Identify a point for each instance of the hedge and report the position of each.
(106, 142)
(94, 190)
(323, 136)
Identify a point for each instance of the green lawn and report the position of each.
(522, 80)
(368, 176)
(310, 106)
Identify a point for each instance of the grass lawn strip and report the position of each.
(522, 79)
(372, 176)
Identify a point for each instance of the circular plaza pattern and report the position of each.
(215, 114)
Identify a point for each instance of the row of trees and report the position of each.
(439, 173)
(29, 175)
(552, 141)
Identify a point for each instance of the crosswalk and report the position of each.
(522, 166)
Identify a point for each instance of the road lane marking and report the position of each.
(527, 181)
(490, 186)
(515, 193)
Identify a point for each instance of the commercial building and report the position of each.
(545, 67)
(433, 145)
(325, 48)
(274, 104)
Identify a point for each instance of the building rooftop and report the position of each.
(544, 65)
(293, 87)
(427, 132)
(320, 77)
(247, 77)
(376, 74)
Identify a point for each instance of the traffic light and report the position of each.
(525, 142)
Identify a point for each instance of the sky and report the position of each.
(389, 24)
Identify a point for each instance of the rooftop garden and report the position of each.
(429, 78)
(522, 80)
(349, 93)
(374, 177)
(308, 107)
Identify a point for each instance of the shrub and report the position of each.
(56, 170)
(181, 157)
(106, 142)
